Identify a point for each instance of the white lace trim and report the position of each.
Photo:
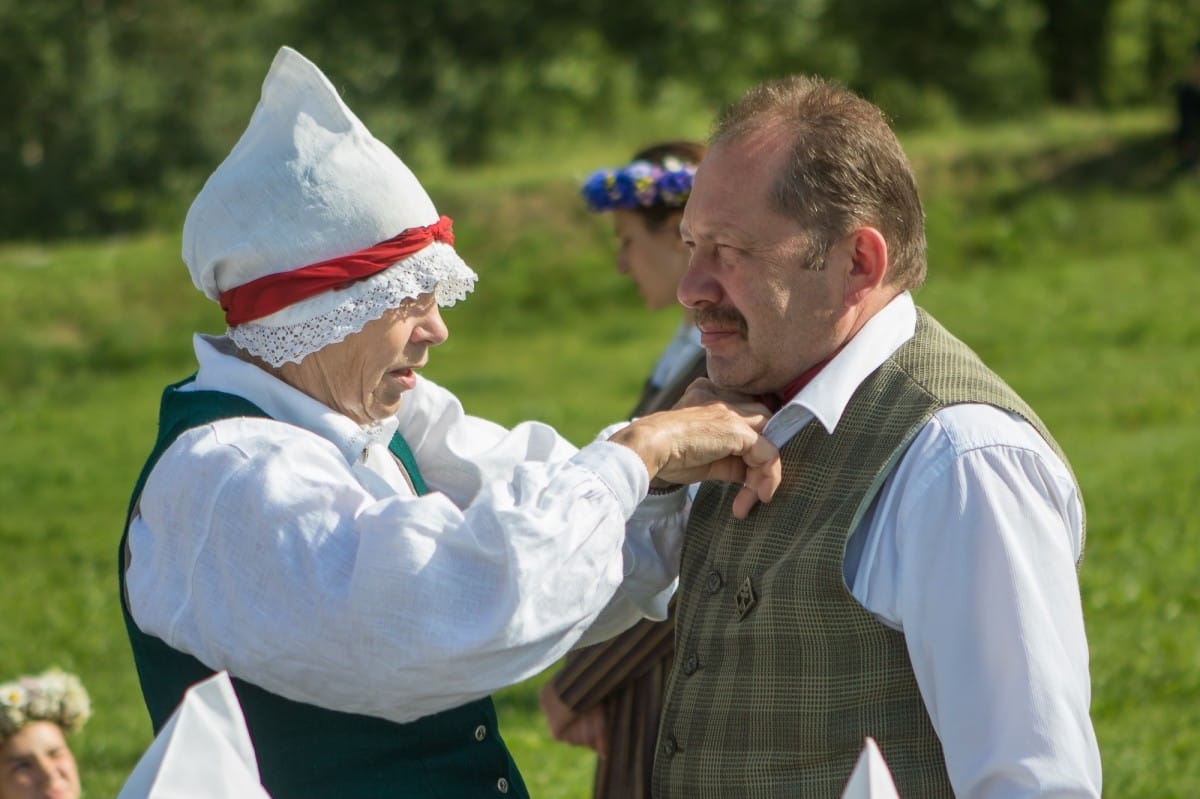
(301, 329)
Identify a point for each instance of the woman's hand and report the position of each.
(715, 440)
(588, 728)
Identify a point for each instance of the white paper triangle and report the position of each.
(871, 778)
(203, 752)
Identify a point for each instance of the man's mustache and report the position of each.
(721, 317)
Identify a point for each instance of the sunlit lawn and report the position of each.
(1069, 262)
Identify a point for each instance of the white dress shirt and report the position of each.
(970, 550)
(292, 552)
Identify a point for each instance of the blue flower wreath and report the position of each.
(640, 184)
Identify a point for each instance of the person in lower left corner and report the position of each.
(37, 713)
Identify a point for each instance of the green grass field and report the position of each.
(1063, 251)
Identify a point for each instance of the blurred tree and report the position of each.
(462, 68)
(1073, 43)
(116, 109)
(920, 57)
(477, 67)
(108, 104)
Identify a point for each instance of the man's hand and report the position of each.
(711, 441)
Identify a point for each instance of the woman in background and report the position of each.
(608, 697)
(36, 714)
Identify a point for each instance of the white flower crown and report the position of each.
(53, 695)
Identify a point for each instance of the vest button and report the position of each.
(480, 732)
(714, 582)
(670, 747)
(502, 785)
(690, 664)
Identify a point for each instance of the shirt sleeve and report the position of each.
(459, 452)
(974, 559)
(258, 551)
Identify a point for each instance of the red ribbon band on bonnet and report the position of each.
(270, 293)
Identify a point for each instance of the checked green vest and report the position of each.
(780, 674)
(308, 752)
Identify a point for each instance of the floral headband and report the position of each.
(640, 184)
(50, 696)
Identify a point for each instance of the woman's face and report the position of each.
(365, 375)
(655, 259)
(38, 764)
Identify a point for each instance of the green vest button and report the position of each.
(480, 732)
(670, 747)
(714, 582)
(690, 665)
(502, 785)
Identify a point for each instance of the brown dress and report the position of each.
(627, 674)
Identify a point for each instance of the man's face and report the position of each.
(764, 315)
(38, 764)
(365, 375)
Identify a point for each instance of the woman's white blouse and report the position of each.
(292, 552)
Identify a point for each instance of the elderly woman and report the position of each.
(36, 714)
(366, 560)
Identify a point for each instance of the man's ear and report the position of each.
(868, 263)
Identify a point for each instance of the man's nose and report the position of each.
(697, 287)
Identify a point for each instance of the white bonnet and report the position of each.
(307, 182)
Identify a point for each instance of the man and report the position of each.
(914, 579)
(366, 560)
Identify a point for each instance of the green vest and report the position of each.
(780, 674)
(308, 751)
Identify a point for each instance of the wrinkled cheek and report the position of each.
(384, 401)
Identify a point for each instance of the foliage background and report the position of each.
(1063, 248)
(114, 109)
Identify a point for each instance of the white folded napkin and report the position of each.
(871, 778)
(203, 752)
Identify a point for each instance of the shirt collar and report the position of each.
(827, 395)
(221, 370)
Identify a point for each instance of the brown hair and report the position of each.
(845, 167)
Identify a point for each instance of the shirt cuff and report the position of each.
(619, 468)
